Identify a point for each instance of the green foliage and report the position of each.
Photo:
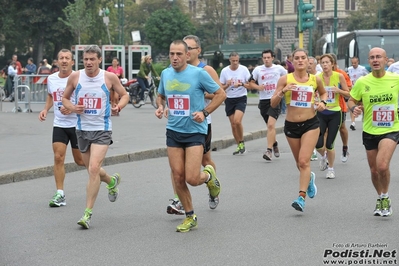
(367, 17)
(77, 18)
(165, 26)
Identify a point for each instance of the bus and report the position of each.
(358, 43)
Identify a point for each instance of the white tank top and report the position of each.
(56, 87)
(93, 93)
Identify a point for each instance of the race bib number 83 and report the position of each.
(179, 105)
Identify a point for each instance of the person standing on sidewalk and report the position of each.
(378, 92)
(182, 89)
(301, 124)
(194, 48)
(92, 87)
(63, 125)
(233, 78)
(265, 78)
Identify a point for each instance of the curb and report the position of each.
(123, 158)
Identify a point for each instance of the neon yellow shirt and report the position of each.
(380, 101)
(332, 97)
(303, 97)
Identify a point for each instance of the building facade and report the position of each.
(255, 21)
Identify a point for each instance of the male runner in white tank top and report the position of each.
(93, 87)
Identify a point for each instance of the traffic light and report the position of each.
(305, 16)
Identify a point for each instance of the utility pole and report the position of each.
(335, 26)
(224, 21)
(273, 17)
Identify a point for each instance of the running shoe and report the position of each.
(323, 164)
(57, 201)
(240, 149)
(213, 202)
(276, 150)
(175, 207)
(85, 220)
(213, 184)
(312, 189)
(267, 155)
(352, 127)
(299, 204)
(237, 151)
(314, 156)
(189, 223)
(344, 156)
(377, 210)
(114, 191)
(330, 174)
(386, 209)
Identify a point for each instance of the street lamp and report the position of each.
(238, 22)
(104, 13)
(120, 5)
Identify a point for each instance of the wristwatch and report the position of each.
(205, 112)
(323, 101)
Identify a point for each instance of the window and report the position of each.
(262, 32)
(295, 6)
(279, 6)
(350, 4)
(261, 7)
(192, 5)
(279, 33)
(320, 4)
(296, 32)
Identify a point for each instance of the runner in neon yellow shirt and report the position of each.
(378, 91)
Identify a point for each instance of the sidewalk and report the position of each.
(137, 135)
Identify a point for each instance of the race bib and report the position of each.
(269, 88)
(92, 105)
(179, 105)
(383, 115)
(330, 94)
(302, 97)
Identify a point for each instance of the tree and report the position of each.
(161, 34)
(364, 18)
(367, 17)
(389, 14)
(213, 15)
(77, 18)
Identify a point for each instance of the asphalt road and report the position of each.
(254, 223)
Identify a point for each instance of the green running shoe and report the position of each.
(57, 200)
(378, 207)
(114, 191)
(213, 184)
(85, 220)
(386, 209)
(189, 223)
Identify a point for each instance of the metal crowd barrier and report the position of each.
(29, 89)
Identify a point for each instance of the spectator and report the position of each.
(54, 66)
(18, 64)
(46, 63)
(30, 68)
(290, 67)
(12, 71)
(43, 69)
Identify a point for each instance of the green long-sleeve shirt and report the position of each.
(145, 69)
